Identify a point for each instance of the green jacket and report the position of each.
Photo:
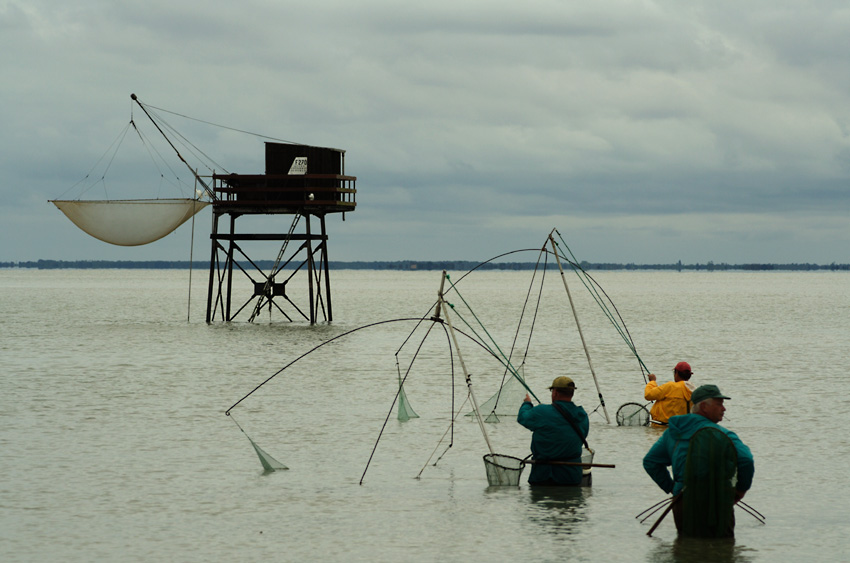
(672, 449)
(553, 439)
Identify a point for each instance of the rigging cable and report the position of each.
(400, 387)
(337, 337)
(519, 324)
(207, 189)
(504, 360)
(222, 126)
(621, 326)
(150, 147)
(116, 144)
(191, 147)
(580, 333)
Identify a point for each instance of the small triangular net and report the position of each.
(632, 414)
(405, 411)
(269, 463)
(709, 493)
(506, 401)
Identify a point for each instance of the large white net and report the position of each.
(130, 222)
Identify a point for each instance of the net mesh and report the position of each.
(503, 470)
(405, 411)
(632, 414)
(710, 473)
(269, 463)
(506, 401)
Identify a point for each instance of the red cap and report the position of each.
(683, 367)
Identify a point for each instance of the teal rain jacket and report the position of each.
(672, 449)
(553, 439)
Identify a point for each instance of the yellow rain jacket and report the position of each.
(671, 399)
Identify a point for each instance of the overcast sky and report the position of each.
(644, 131)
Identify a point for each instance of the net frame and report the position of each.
(503, 470)
(632, 414)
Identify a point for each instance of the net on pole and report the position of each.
(269, 463)
(405, 411)
(503, 470)
(506, 401)
(632, 414)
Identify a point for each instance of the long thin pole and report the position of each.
(180, 156)
(191, 259)
(466, 373)
(578, 324)
(571, 463)
(663, 514)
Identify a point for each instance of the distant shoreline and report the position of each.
(413, 265)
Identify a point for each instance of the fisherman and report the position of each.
(671, 399)
(558, 433)
(702, 508)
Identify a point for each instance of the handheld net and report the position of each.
(632, 414)
(709, 494)
(503, 470)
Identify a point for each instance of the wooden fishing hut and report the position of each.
(302, 182)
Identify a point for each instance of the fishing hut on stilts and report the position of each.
(303, 183)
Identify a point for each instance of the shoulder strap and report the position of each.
(572, 422)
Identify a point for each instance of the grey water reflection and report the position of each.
(560, 510)
(693, 550)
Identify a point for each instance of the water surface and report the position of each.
(115, 445)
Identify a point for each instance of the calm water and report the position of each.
(115, 446)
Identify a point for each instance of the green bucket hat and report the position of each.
(704, 392)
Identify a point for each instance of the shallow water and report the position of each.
(116, 447)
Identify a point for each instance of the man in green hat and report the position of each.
(558, 434)
(706, 459)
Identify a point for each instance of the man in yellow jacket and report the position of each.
(672, 398)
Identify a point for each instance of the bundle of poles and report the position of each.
(667, 505)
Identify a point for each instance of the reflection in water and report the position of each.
(559, 509)
(693, 550)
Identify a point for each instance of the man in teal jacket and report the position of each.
(553, 437)
(672, 447)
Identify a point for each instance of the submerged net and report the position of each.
(709, 493)
(632, 414)
(503, 470)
